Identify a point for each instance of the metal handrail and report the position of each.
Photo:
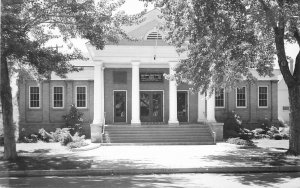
(103, 123)
(213, 133)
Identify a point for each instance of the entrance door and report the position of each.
(119, 106)
(151, 106)
(182, 106)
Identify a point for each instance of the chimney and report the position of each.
(291, 66)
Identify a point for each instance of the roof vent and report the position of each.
(154, 36)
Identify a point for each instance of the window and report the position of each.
(34, 97)
(241, 97)
(58, 97)
(219, 99)
(262, 96)
(81, 97)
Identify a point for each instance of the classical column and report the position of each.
(96, 135)
(211, 108)
(135, 107)
(172, 96)
(201, 108)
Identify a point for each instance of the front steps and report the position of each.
(158, 135)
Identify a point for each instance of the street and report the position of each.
(286, 180)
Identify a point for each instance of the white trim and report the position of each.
(245, 97)
(188, 103)
(63, 97)
(267, 96)
(29, 97)
(224, 101)
(163, 111)
(114, 105)
(86, 97)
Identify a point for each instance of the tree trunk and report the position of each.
(294, 98)
(10, 152)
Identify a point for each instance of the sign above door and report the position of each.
(151, 77)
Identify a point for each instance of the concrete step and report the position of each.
(158, 134)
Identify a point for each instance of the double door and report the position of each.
(151, 106)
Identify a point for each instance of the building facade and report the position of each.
(125, 84)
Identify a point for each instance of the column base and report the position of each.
(173, 122)
(135, 122)
(96, 133)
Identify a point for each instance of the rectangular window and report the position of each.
(58, 97)
(81, 97)
(34, 97)
(263, 96)
(241, 97)
(219, 99)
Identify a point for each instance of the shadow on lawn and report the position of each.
(256, 157)
(45, 163)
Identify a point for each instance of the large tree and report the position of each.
(26, 27)
(225, 40)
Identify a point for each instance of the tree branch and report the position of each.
(269, 13)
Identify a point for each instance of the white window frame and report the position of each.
(224, 94)
(236, 99)
(267, 97)
(86, 97)
(114, 105)
(63, 97)
(30, 107)
(163, 92)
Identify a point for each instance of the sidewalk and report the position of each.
(108, 160)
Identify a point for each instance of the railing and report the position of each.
(103, 124)
(213, 133)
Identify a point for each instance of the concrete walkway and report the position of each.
(107, 160)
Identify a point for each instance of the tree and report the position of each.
(225, 40)
(26, 26)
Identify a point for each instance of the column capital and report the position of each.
(135, 63)
(98, 63)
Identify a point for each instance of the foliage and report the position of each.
(78, 141)
(73, 120)
(239, 141)
(225, 41)
(272, 133)
(233, 127)
(60, 135)
(26, 28)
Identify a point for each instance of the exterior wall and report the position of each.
(283, 102)
(252, 114)
(31, 120)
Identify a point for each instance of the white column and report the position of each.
(172, 96)
(135, 107)
(211, 108)
(201, 108)
(98, 93)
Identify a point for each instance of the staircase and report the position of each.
(158, 135)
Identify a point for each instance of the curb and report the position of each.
(109, 172)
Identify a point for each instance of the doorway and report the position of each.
(120, 106)
(151, 106)
(182, 106)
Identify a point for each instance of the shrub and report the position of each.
(277, 137)
(78, 141)
(73, 120)
(32, 138)
(60, 135)
(239, 141)
(233, 127)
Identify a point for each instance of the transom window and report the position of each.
(81, 97)
(219, 98)
(241, 97)
(263, 96)
(58, 97)
(34, 97)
